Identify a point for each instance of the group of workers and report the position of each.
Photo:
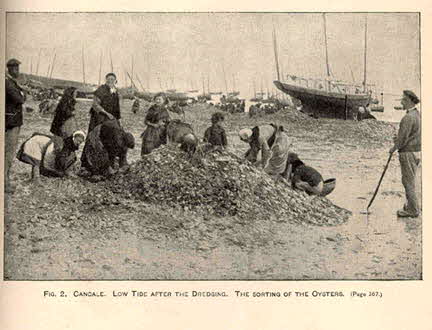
(107, 141)
(264, 108)
(237, 106)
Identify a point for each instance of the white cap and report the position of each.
(245, 133)
(79, 133)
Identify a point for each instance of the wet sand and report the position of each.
(40, 245)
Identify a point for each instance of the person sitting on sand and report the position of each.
(274, 145)
(39, 152)
(107, 142)
(215, 134)
(303, 177)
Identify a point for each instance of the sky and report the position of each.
(180, 50)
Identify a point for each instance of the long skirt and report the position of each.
(95, 120)
(152, 138)
(279, 155)
(94, 157)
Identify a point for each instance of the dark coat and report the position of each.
(15, 99)
(110, 102)
(216, 136)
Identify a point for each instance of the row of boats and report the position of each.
(325, 97)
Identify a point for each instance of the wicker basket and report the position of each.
(328, 187)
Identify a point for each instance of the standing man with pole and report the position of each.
(15, 98)
(408, 144)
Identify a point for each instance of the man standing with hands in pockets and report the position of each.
(408, 144)
(15, 98)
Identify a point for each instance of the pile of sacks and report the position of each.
(220, 184)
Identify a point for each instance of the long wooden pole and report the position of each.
(326, 52)
(49, 67)
(52, 66)
(276, 53)
(31, 65)
(148, 70)
(112, 66)
(226, 84)
(352, 75)
(379, 183)
(325, 43)
(100, 68)
(37, 66)
(132, 82)
(254, 88)
(132, 72)
(365, 55)
(262, 88)
(83, 65)
(139, 80)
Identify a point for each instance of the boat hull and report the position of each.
(324, 104)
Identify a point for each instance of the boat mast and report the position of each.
(226, 84)
(254, 88)
(132, 71)
(276, 53)
(208, 84)
(83, 65)
(262, 89)
(112, 66)
(234, 83)
(326, 53)
(100, 69)
(37, 66)
(148, 70)
(52, 66)
(365, 55)
(139, 81)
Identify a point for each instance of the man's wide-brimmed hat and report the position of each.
(411, 95)
(13, 62)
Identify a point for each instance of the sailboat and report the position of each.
(325, 97)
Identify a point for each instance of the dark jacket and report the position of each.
(409, 135)
(216, 136)
(15, 99)
(110, 102)
(304, 173)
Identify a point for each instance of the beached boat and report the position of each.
(377, 108)
(327, 97)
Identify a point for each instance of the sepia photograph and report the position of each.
(212, 146)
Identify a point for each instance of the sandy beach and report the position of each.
(51, 233)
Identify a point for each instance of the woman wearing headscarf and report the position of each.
(64, 123)
(157, 119)
(38, 151)
(273, 144)
(105, 143)
(106, 106)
